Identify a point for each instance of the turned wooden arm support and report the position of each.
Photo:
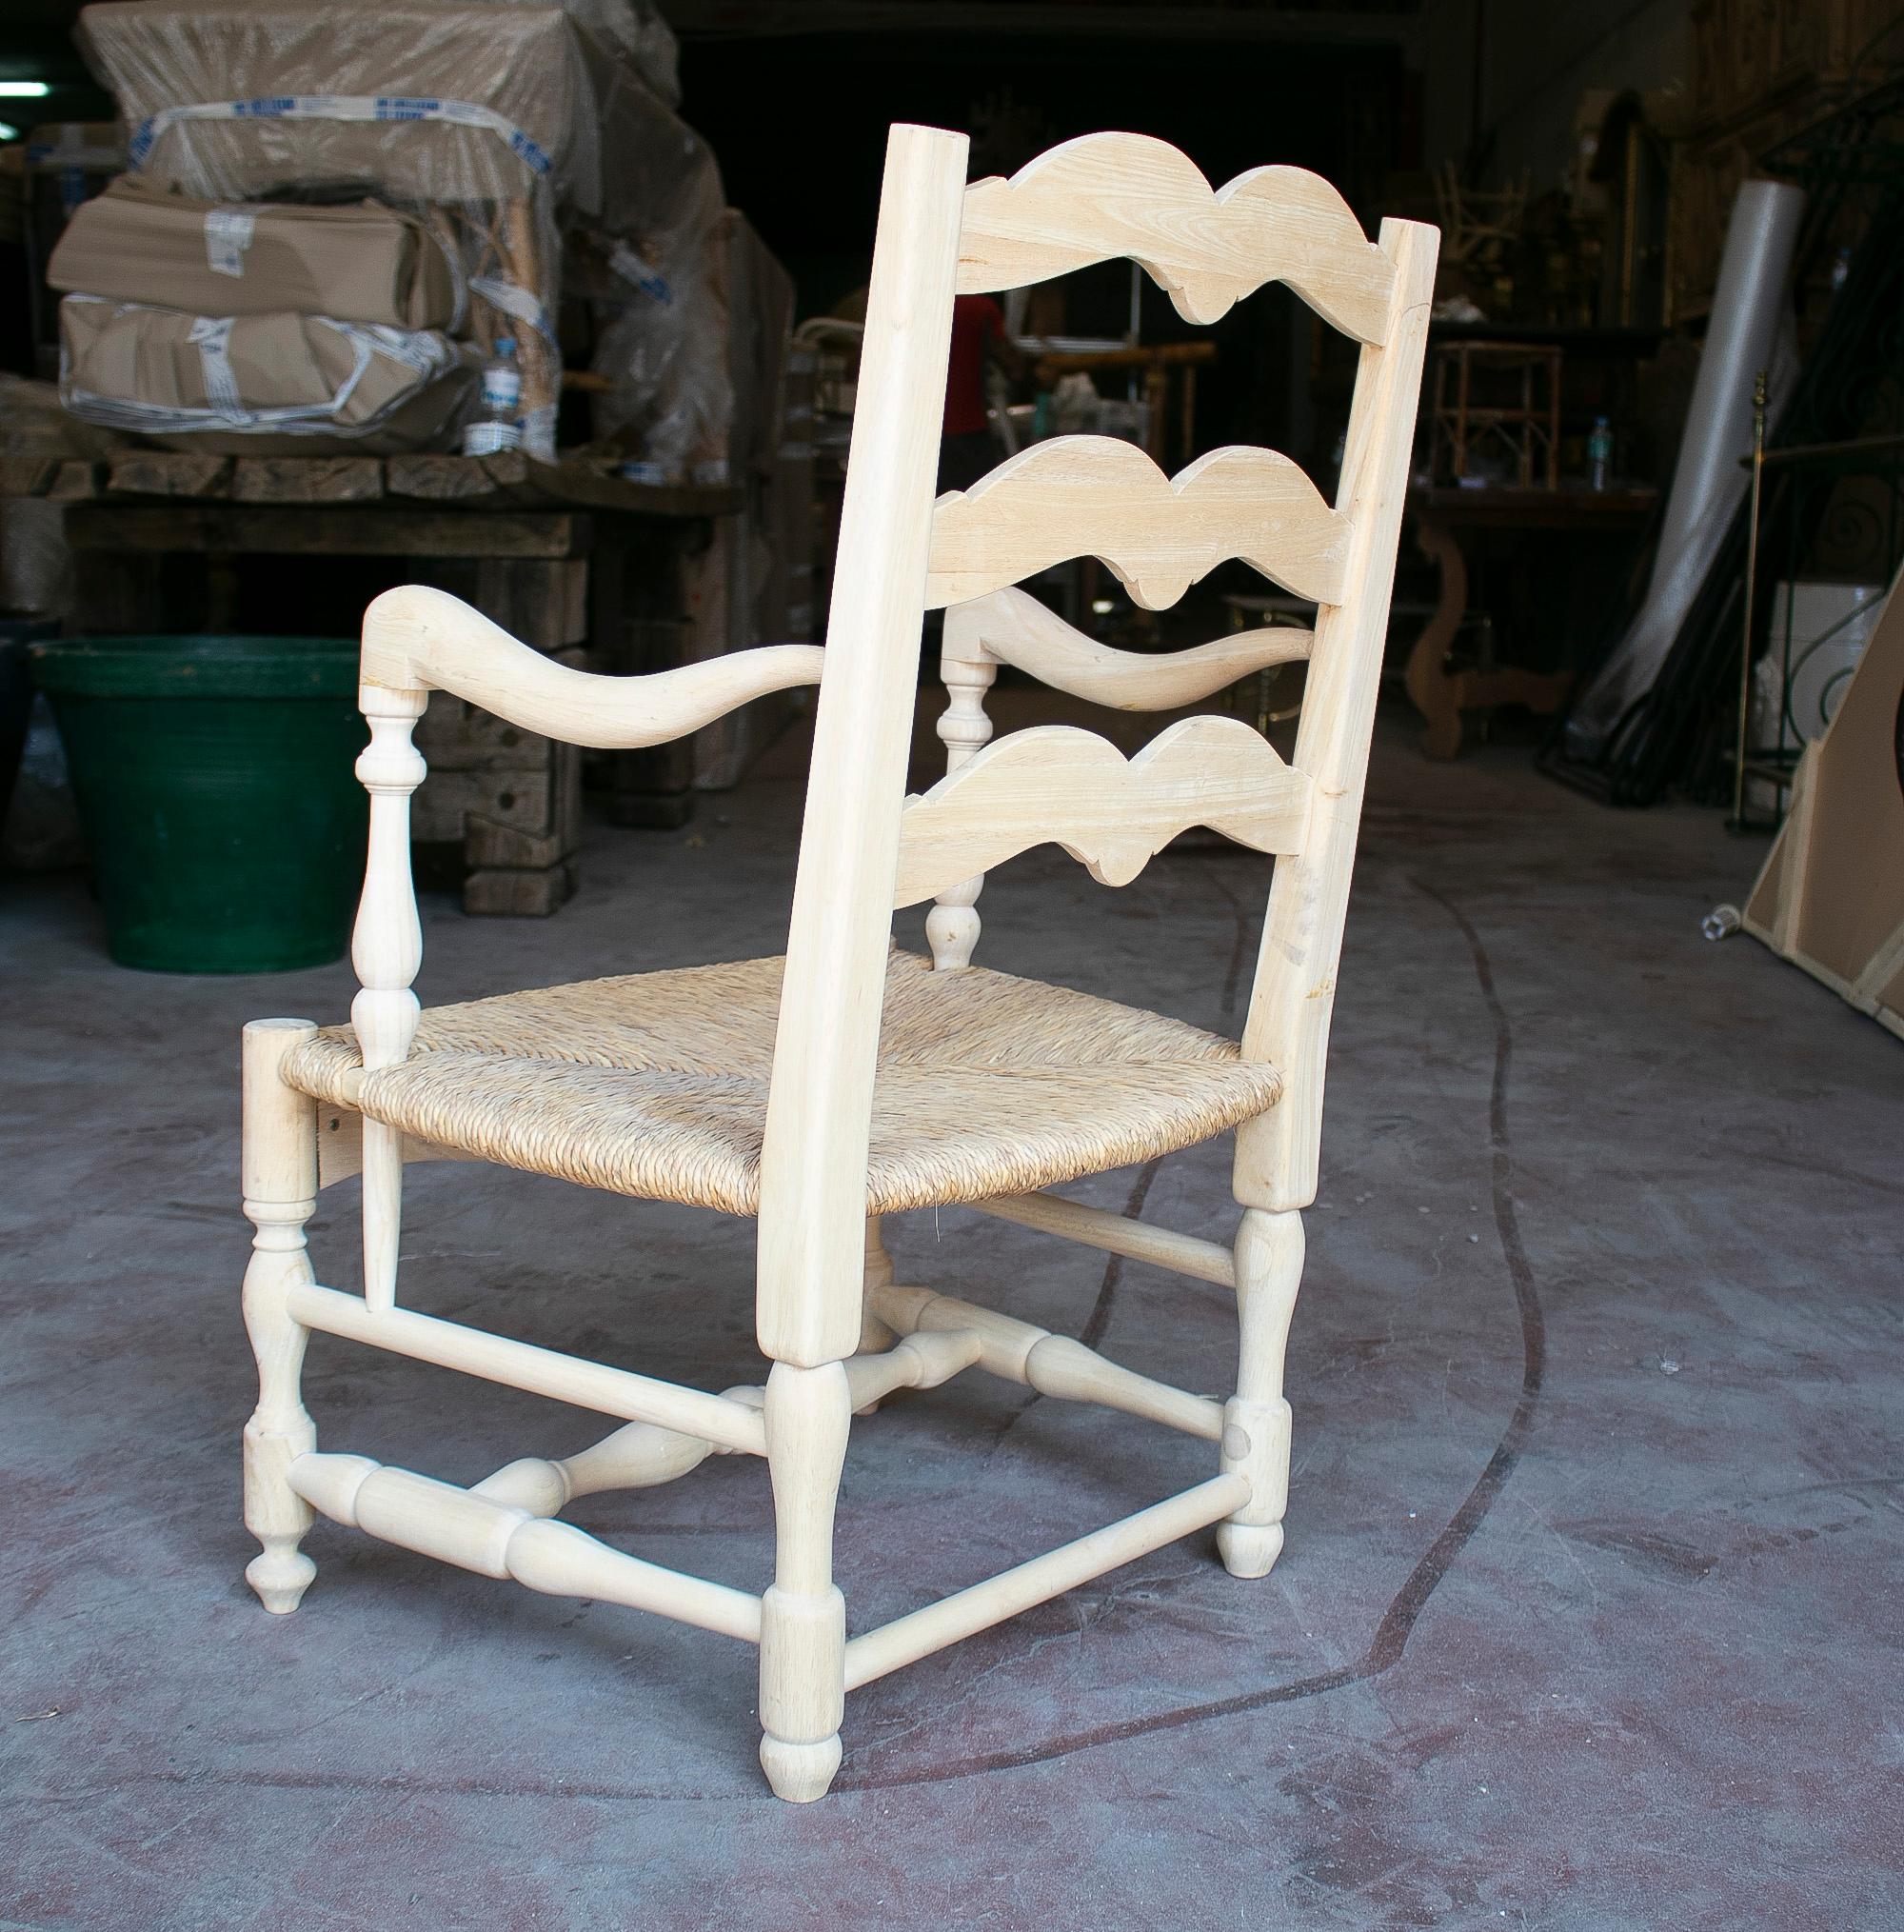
(1011, 626)
(419, 639)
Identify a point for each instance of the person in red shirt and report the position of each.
(968, 449)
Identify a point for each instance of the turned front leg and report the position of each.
(280, 1180)
(387, 949)
(803, 1614)
(1256, 1419)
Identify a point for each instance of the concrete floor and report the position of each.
(1589, 1615)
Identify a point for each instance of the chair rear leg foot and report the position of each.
(1256, 1419)
(803, 1614)
(280, 1573)
(1249, 1550)
(799, 1773)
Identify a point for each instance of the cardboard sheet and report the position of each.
(1831, 895)
(359, 262)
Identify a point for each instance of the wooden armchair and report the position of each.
(849, 1080)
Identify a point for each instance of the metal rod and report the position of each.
(1759, 398)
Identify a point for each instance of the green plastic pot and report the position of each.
(214, 782)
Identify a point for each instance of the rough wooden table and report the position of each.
(557, 554)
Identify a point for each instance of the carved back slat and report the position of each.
(1056, 785)
(1103, 196)
(1094, 496)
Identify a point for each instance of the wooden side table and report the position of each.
(1448, 520)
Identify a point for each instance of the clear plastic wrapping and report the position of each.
(252, 377)
(482, 114)
(518, 128)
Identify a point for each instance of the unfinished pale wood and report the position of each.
(1103, 195)
(1184, 1254)
(417, 638)
(878, 1273)
(386, 951)
(1059, 785)
(1053, 1364)
(965, 1612)
(1011, 626)
(521, 1364)
(477, 1533)
(1095, 496)
(643, 1454)
(637, 1456)
(1256, 1419)
(803, 1614)
(340, 1147)
(914, 1362)
(813, 1194)
(280, 1192)
(967, 670)
(1293, 994)
(825, 1283)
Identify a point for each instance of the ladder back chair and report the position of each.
(852, 1080)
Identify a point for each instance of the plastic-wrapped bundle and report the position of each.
(357, 262)
(259, 379)
(698, 361)
(653, 264)
(504, 119)
(634, 33)
(483, 111)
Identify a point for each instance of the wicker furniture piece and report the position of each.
(844, 1080)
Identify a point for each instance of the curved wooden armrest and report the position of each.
(419, 639)
(1015, 628)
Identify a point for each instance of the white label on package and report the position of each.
(227, 234)
(212, 335)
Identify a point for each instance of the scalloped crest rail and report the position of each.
(1107, 195)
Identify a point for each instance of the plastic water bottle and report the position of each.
(1599, 451)
(498, 421)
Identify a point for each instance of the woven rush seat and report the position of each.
(656, 1084)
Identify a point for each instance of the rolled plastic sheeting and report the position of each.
(1750, 329)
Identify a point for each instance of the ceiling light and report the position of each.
(7, 131)
(24, 90)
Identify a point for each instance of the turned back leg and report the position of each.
(1256, 1419)
(803, 1614)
